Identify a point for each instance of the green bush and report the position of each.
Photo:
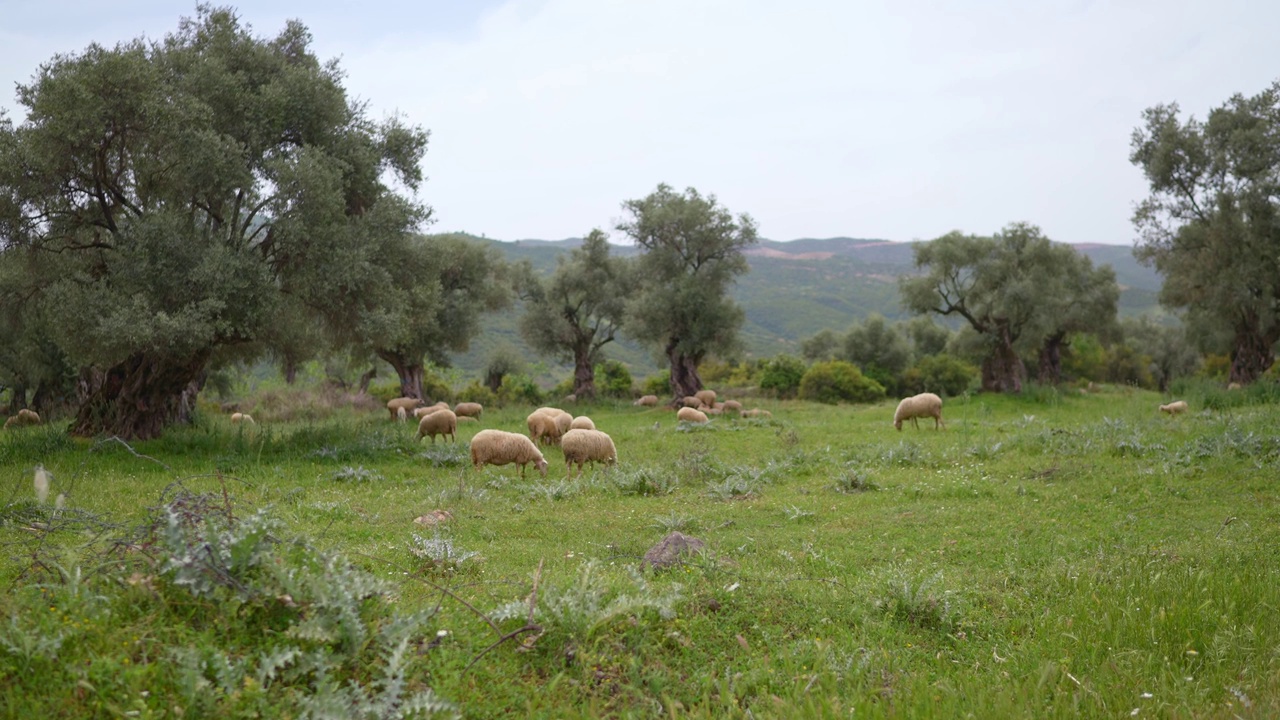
(613, 379)
(658, 384)
(839, 381)
(941, 374)
(782, 375)
(520, 388)
(477, 393)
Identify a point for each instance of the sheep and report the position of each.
(11, 422)
(1174, 408)
(688, 414)
(582, 422)
(466, 419)
(468, 409)
(918, 406)
(1233, 386)
(440, 422)
(546, 425)
(246, 418)
(422, 412)
(712, 410)
(706, 397)
(647, 401)
(496, 447)
(30, 417)
(733, 405)
(691, 401)
(407, 403)
(401, 414)
(756, 413)
(582, 445)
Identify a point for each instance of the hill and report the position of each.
(794, 290)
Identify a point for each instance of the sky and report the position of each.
(891, 120)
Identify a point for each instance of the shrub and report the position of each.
(782, 375)
(613, 379)
(520, 388)
(839, 381)
(658, 384)
(941, 374)
(477, 393)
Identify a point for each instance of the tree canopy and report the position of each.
(1211, 225)
(692, 251)
(163, 197)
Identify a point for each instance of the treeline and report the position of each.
(176, 207)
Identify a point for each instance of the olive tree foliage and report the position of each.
(691, 252)
(1171, 354)
(577, 311)
(1211, 225)
(823, 345)
(996, 284)
(422, 301)
(1079, 298)
(162, 196)
(879, 349)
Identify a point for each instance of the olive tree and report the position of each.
(579, 309)
(162, 196)
(1211, 225)
(691, 252)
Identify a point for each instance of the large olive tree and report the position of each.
(1211, 225)
(578, 310)
(161, 197)
(691, 252)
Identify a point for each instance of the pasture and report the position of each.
(1045, 556)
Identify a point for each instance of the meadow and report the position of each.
(1050, 555)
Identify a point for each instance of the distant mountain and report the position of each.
(794, 290)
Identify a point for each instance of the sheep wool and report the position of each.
(497, 447)
(1174, 408)
(918, 406)
(582, 422)
(732, 406)
(408, 403)
(582, 446)
(690, 401)
(30, 417)
(468, 409)
(246, 418)
(756, 413)
(647, 401)
(402, 414)
(706, 397)
(688, 414)
(422, 412)
(440, 422)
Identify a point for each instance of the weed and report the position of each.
(644, 481)
(854, 481)
(440, 552)
(674, 521)
(356, 474)
(919, 602)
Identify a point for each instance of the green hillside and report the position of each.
(794, 290)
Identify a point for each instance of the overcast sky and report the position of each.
(897, 120)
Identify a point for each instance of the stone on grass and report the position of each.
(672, 548)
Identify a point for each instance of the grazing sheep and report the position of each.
(465, 419)
(1174, 408)
(647, 401)
(402, 414)
(918, 406)
(733, 405)
(756, 413)
(582, 422)
(11, 422)
(246, 418)
(547, 424)
(690, 401)
(407, 403)
(712, 410)
(706, 397)
(688, 414)
(496, 447)
(440, 422)
(422, 412)
(468, 409)
(1233, 386)
(582, 445)
(29, 417)
(570, 399)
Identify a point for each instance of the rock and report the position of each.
(671, 549)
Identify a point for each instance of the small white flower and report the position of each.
(1133, 712)
(1147, 695)
(442, 633)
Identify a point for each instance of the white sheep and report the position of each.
(688, 414)
(581, 446)
(31, 416)
(733, 405)
(1233, 386)
(647, 401)
(408, 403)
(691, 401)
(1174, 408)
(918, 406)
(756, 413)
(582, 422)
(440, 422)
(468, 409)
(497, 447)
(402, 414)
(422, 412)
(706, 397)
(547, 424)
(246, 418)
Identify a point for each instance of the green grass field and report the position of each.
(1045, 556)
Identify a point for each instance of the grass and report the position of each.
(1048, 556)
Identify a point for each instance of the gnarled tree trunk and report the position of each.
(408, 370)
(139, 397)
(584, 376)
(1003, 370)
(1051, 359)
(1251, 354)
(18, 400)
(684, 373)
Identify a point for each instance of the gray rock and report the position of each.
(672, 548)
